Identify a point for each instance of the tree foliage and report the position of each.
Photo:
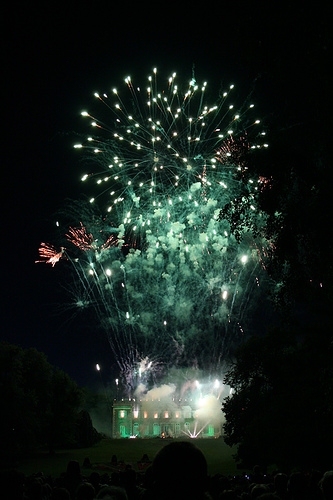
(281, 409)
(41, 405)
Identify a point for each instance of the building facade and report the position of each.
(162, 418)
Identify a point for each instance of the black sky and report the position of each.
(56, 56)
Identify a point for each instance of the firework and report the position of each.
(165, 141)
(169, 281)
(49, 255)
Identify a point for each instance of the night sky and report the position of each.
(54, 59)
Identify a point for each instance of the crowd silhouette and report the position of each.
(178, 471)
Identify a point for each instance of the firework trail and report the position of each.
(169, 281)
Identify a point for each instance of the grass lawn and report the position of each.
(217, 453)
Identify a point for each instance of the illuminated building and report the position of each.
(164, 418)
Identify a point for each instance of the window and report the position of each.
(122, 414)
(168, 430)
(136, 429)
(156, 430)
(187, 413)
(166, 414)
(123, 432)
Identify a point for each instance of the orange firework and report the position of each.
(49, 254)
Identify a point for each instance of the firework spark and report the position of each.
(168, 141)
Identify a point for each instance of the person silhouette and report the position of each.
(326, 485)
(178, 471)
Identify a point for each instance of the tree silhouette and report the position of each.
(41, 404)
(281, 409)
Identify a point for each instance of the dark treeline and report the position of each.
(281, 411)
(41, 405)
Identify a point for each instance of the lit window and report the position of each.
(177, 414)
(145, 414)
(122, 413)
(156, 415)
(166, 414)
(135, 413)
